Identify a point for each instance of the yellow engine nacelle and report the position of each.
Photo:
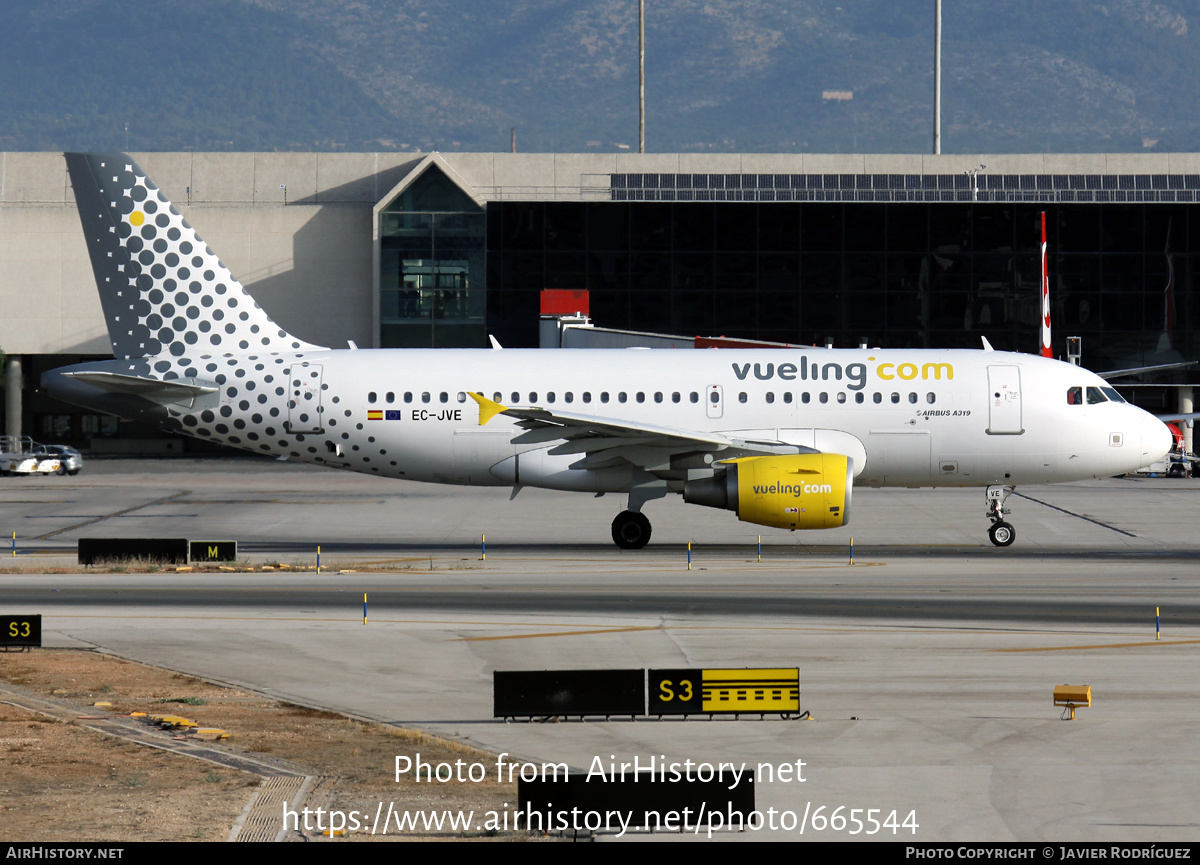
(794, 491)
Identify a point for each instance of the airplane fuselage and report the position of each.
(777, 435)
(906, 417)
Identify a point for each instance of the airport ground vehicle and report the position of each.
(70, 461)
(779, 436)
(22, 456)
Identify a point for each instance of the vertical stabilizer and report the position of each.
(164, 292)
(1045, 328)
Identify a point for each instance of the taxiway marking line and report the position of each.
(1101, 646)
(559, 634)
(888, 629)
(119, 513)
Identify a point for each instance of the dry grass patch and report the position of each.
(62, 782)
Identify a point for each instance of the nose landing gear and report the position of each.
(1001, 533)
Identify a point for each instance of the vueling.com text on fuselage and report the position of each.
(854, 373)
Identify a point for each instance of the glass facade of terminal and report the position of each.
(431, 291)
(899, 274)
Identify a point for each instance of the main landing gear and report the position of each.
(1001, 533)
(630, 531)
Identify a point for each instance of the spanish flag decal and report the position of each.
(374, 415)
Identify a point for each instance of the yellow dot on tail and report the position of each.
(137, 218)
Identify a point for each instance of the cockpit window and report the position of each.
(1111, 393)
(1074, 396)
(1094, 396)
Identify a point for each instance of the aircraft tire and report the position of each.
(630, 531)
(1002, 534)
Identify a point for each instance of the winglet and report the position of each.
(487, 408)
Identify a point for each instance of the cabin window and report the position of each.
(516, 397)
(462, 397)
(877, 397)
(675, 397)
(742, 397)
(895, 399)
(714, 397)
(371, 397)
(444, 397)
(787, 397)
(658, 396)
(587, 396)
(568, 397)
(770, 397)
(931, 397)
(859, 397)
(604, 396)
(841, 398)
(532, 397)
(695, 397)
(408, 396)
(425, 396)
(497, 396)
(550, 396)
(804, 397)
(621, 397)
(641, 397)
(912, 397)
(391, 397)
(824, 397)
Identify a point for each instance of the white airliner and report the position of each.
(778, 436)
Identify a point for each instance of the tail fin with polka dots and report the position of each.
(164, 292)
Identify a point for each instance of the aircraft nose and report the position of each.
(1157, 440)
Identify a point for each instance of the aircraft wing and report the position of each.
(1109, 375)
(607, 441)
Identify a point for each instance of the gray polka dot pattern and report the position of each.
(176, 314)
(164, 292)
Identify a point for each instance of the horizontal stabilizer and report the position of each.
(174, 390)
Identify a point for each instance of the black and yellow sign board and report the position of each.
(528, 693)
(724, 691)
(167, 551)
(20, 631)
(200, 552)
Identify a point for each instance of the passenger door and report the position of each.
(304, 398)
(1004, 400)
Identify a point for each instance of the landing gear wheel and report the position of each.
(1002, 534)
(630, 531)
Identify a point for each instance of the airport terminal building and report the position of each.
(445, 249)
